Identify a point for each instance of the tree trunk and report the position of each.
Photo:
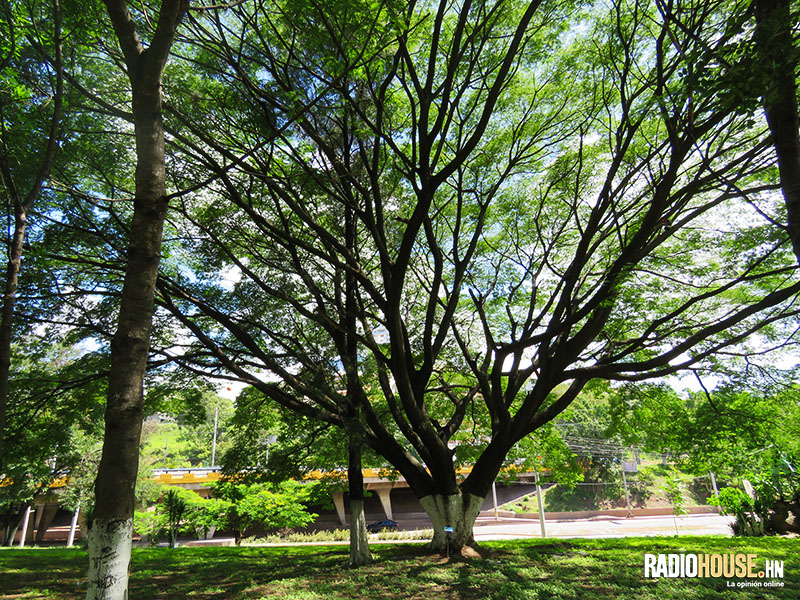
(109, 557)
(110, 536)
(21, 208)
(456, 511)
(10, 520)
(9, 299)
(109, 541)
(359, 546)
(776, 53)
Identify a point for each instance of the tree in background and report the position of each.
(672, 488)
(731, 430)
(263, 507)
(197, 435)
(32, 102)
(56, 407)
(50, 383)
(301, 446)
(186, 438)
(742, 430)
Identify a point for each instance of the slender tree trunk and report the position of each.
(359, 545)
(777, 57)
(10, 520)
(110, 535)
(21, 208)
(6, 321)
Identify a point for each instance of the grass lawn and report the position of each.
(603, 569)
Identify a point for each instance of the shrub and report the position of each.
(733, 501)
(264, 507)
(149, 524)
(672, 489)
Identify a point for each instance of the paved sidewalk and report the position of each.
(487, 528)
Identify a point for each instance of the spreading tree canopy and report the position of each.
(431, 225)
(455, 215)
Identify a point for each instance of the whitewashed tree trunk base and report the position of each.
(457, 511)
(109, 558)
(359, 546)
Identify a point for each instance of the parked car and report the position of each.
(382, 525)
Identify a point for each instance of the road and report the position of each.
(487, 528)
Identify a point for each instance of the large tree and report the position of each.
(463, 214)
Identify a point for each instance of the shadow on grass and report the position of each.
(531, 569)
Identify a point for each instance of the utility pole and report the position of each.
(214, 441)
(627, 496)
(541, 504)
(714, 483)
(494, 497)
(268, 441)
(25, 520)
(73, 526)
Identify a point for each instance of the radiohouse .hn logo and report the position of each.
(740, 566)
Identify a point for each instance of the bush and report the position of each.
(264, 507)
(777, 493)
(180, 511)
(733, 501)
(174, 506)
(149, 524)
(203, 516)
(245, 509)
(336, 535)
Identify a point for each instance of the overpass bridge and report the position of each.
(380, 481)
(46, 518)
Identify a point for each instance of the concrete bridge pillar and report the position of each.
(383, 490)
(338, 501)
(44, 518)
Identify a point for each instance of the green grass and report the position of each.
(159, 435)
(530, 569)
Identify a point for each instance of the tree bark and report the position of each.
(456, 511)
(776, 54)
(110, 536)
(359, 544)
(6, 322)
